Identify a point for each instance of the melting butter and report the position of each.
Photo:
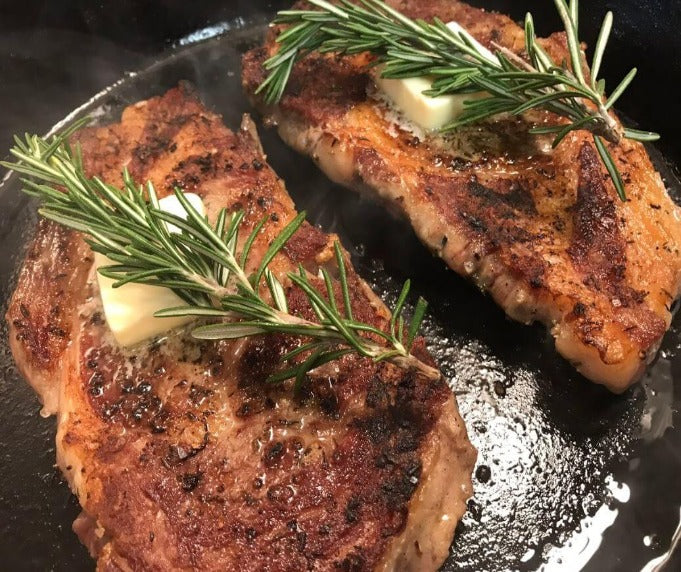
(428, 112)
(130, 309)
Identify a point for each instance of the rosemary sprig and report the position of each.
(200, 262)
(415, 48)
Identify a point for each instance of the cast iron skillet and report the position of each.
(562, 462)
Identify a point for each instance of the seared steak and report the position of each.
(542, 231)
(180, 454)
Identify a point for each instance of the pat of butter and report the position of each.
(130, 309)
(430, 113)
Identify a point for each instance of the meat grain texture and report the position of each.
(543, 231)
(181, 456)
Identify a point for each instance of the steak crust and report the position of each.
(181, 456)
(541, 230)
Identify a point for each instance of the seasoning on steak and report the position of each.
(180, 454)
(541, 230)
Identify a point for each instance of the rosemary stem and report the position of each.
(411, 363)
(612, 131)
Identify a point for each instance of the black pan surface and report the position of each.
(569, 476)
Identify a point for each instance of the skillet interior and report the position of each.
(549, 441)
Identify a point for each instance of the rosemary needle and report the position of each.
(415, 48)
(201, 264)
